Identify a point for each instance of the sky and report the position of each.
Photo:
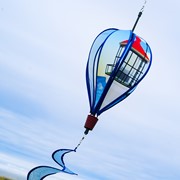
(44, 47)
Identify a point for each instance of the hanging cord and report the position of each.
(142, 9)
(80, 142)
(139, 15)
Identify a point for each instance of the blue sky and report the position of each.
(44, 47)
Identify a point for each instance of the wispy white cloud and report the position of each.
(43, 54)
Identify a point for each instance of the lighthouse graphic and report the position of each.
(134, 64)
(130, 71)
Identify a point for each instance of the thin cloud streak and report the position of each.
(43, 101)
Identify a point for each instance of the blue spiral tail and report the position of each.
(40, 172)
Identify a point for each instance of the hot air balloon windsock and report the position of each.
(118, 61)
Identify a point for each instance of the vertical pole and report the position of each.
(139, 15)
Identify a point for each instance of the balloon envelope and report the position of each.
(118, 61)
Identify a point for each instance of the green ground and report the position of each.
(4, 178)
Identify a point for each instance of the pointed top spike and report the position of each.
(139, 15)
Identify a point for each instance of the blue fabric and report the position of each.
(97, 109)
(92, 62)
(100, 56)
(40, 172)
(101, 83)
